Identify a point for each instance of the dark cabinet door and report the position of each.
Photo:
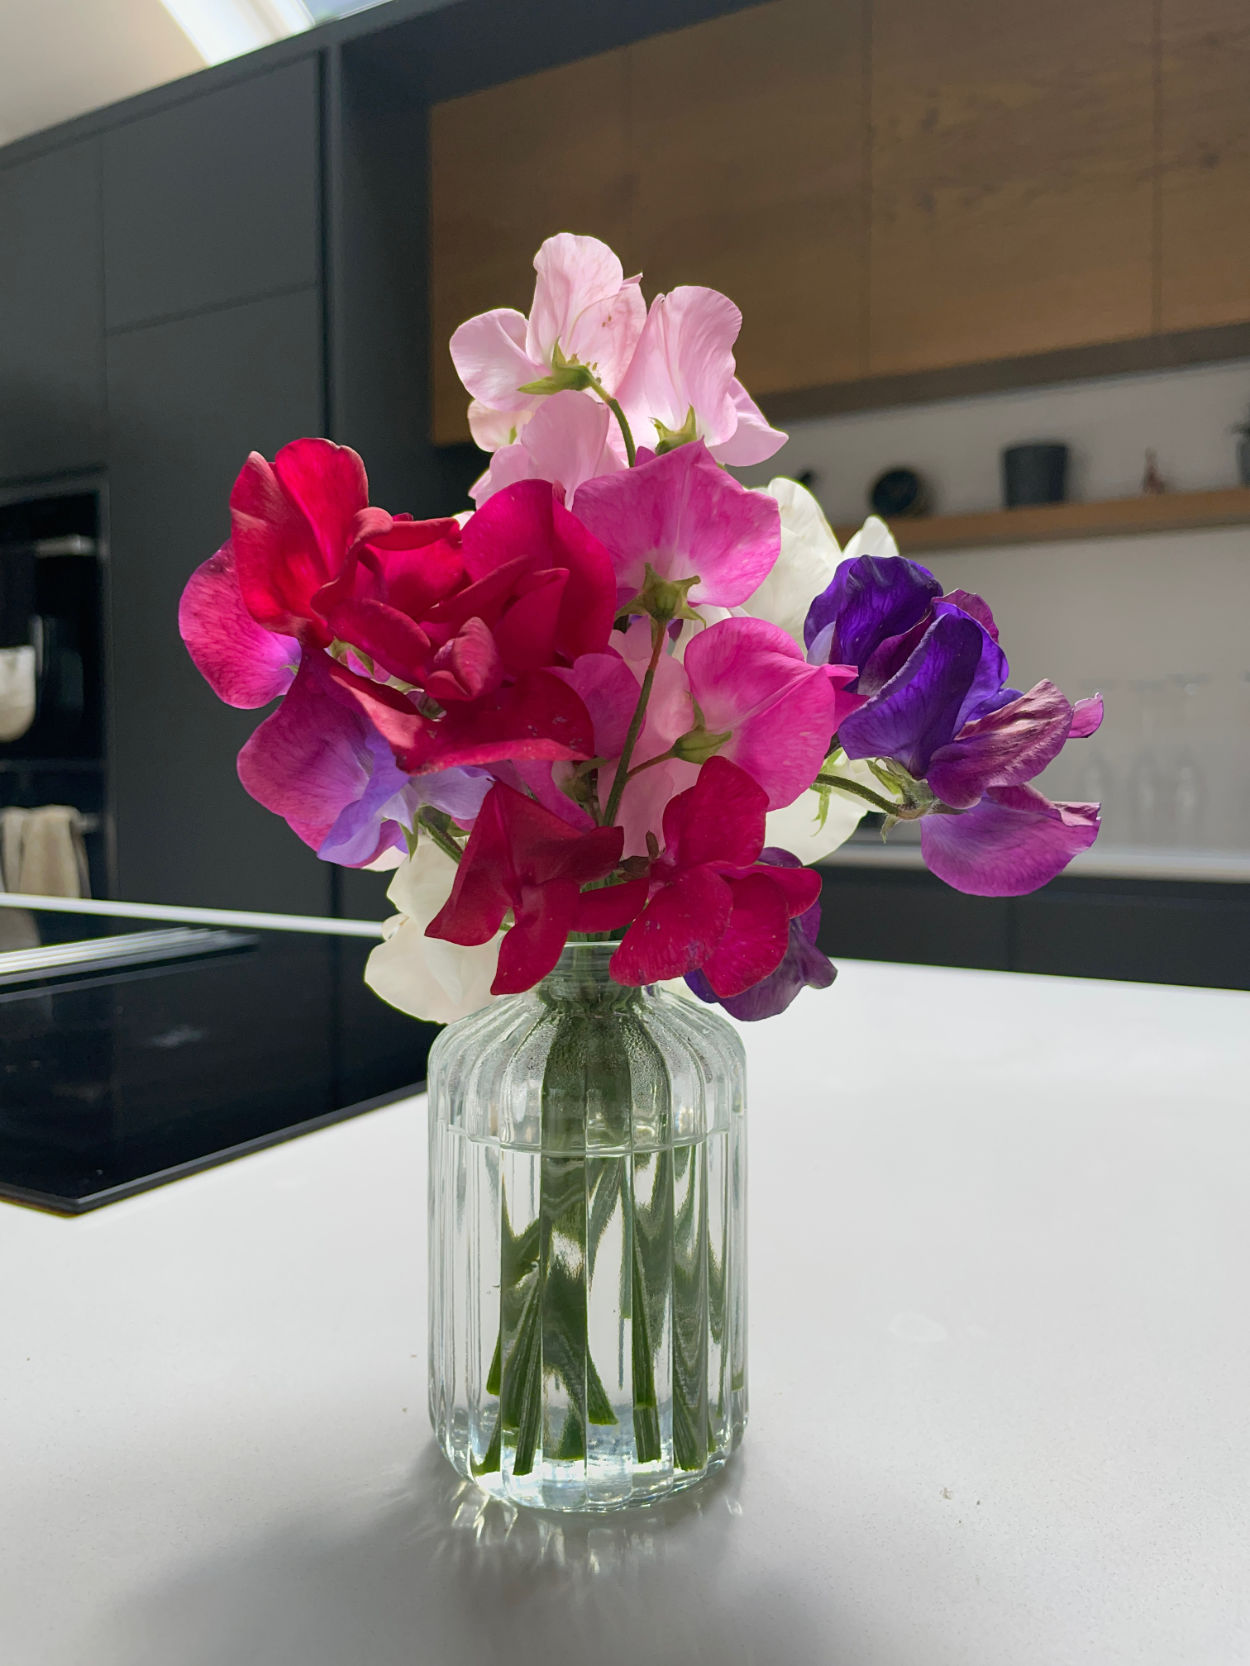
(215, 199)
(51, 314)
(188, 400)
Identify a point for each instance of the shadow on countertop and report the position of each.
(449, 1577)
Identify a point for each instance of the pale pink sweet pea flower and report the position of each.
(684, 362)
(565, 442)
(583, 305)
(683, 516)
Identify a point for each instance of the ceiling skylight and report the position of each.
(221, 29)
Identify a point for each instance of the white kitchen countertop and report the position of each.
(1000, 1378)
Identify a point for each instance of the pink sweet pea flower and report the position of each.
(684, 362)
(751, 679)
(565, 442)
(521, 857)
(683, 516)
(713, 905)
(583, 305)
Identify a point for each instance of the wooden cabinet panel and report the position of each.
(214, 199)
(1204, 152)
(510, 166)
(1012, 190)
(749, 138)
(51, 314)
(187, 401)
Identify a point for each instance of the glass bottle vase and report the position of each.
(587, 1241)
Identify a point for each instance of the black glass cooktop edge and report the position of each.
(55, 1204)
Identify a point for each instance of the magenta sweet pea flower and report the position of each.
(243, 663)
(803, 966)
(584, 308)
(319, 763)
(520, 857)
(713, 904)
(684, 517)
(684, 364)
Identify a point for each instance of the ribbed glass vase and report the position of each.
(587, 1241)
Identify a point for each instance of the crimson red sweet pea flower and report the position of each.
(714, 906)
(522, 857)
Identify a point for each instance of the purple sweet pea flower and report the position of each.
(803, 966)
(939, 706)
(1010, 843)
(955, 672)
(868, 613)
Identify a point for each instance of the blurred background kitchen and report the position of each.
(954, 227)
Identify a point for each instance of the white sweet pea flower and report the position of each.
(808, 559)
(423, 975)
(817, 822)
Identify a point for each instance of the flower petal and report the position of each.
(754, 440)
(720, 819)
(676, 931)
(754, 941)
(428, 978)
(490, 359)
(1013, 841)
(243, 663)
(1009, 746)
(750, 678)
(953, 669)
(805, 566)
(309, 759)
(684, 516)
(528, 520)
(583, 303)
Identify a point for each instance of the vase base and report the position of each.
(587, 1490)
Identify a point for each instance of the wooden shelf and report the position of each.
(1045, 523)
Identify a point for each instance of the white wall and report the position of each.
(1112, 613)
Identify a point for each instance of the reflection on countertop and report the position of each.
(114, 1077)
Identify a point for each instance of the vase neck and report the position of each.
(580, 978)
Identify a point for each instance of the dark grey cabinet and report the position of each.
(1136, 930)
(215, 199)
(188, 400)
(51, 314)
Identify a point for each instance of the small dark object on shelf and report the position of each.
(1152, 481)
(1242, 429)
(1035, 473)
(899, 494)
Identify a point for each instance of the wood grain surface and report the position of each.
(1204, 149)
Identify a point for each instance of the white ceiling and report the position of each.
(59, 58)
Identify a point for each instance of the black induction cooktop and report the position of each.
(158, 1050)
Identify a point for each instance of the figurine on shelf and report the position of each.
(1152, 481)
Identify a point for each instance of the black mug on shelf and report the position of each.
(1035, 473)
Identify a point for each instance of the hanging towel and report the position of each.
(43, 852)
(12, 834)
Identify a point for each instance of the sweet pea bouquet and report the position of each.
(625, 696)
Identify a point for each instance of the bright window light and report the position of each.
(221, 29)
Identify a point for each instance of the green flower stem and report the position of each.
(903, 812)
(635, 725)
(631, 451)
(442, 839)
